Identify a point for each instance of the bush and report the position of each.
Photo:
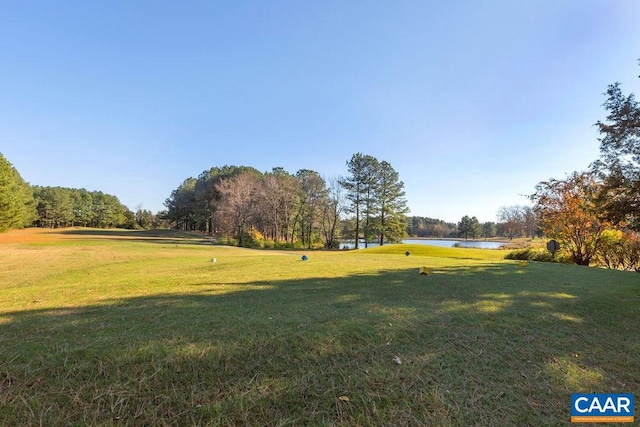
(531, 254)
(287, 245)
(253, 239)
(227, 241)
(618, 249)
(268, 244)
(611, 247)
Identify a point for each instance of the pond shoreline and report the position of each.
(480, 244)
(457, 239)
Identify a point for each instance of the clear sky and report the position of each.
(472, 102)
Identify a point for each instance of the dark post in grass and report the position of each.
(553, 246)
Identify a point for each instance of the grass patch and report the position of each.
(138, 328)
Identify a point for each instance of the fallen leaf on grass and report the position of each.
(344, 398)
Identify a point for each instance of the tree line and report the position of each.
(22, 205)
(67, 207)
(244, 206)
(274, 208)
(513, 221)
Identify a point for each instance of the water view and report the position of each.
(436, 242)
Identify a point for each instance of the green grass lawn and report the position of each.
(142, 328)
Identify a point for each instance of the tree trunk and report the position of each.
(382, 223)
(357, 227)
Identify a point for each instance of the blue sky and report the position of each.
(472, 102)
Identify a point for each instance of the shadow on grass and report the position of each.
(490, 345)
(171, 237)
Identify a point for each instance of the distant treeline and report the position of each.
(418, 226)
(68, 207)
(22, 205)
(514, 221)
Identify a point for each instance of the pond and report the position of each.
(436, 242)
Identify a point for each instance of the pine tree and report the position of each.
(392, 203)
(619, 164)
(469, 228)
(16, 198)
(356, 186)
(371, 200)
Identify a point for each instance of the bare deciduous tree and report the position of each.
(332, 211)
(238, 200)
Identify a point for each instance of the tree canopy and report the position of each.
(376, 198)
(518, 221)
(66, 207)
(16, 199)
(619, 163)
(279, 209)
(469, 228)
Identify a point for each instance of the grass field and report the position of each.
(101, 327)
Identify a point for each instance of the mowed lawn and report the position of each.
(112, 327)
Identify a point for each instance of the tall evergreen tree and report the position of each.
(393, 205)
(16, 198)
(619, 164)
(358, 186)
(469, 228)
(180, 205)
(371, 199)
(489, 229)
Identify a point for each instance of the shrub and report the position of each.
(287, 245)
(610, 252)
(253, 239)
(228, 241)
(268, 244)
(531, 254)
(618, 249)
